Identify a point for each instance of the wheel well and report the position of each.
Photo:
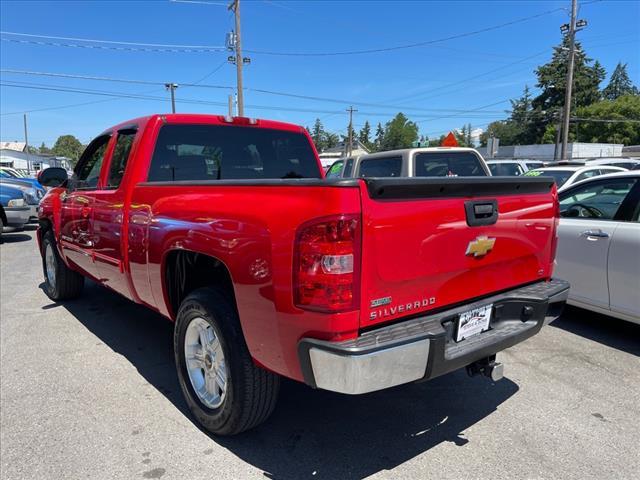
(186, 271)
(45, 225)
(3, 215)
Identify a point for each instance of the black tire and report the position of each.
(251, 391)
(67, 283)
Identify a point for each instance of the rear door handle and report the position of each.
(594, 233)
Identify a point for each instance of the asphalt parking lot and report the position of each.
(88, 390)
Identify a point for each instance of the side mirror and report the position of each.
(53, 176)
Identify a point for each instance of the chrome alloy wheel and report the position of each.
(205, 362)
(50, 265)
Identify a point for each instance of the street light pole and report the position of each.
(172, 87)
(239, 60)
(567, 99)
(350, 148)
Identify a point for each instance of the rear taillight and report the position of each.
(554, 236)
(326, 270)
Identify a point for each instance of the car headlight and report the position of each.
(16, 202)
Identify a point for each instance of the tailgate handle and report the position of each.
(481, 212)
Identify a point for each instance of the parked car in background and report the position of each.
(623, 162)
(12, 172)
(228, 227)
(33, 192)
(14, 211)
(512, 167)
(420, 162)
(599, 244)
(341, 168)
(567, 175)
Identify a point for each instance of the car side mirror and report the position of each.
(53, 177)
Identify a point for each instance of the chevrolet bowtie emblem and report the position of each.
(480, 246)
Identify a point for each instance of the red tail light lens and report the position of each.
(554, 236)
(327, 264)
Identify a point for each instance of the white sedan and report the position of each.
(568, 175)
(599, 244)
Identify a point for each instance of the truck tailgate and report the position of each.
(429, 243)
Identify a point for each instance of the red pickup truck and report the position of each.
(227, 226)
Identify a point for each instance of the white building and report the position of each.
(547, 151)
(330, 155)
(29, 161)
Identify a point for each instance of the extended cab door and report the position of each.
(109, 216)
(76, 235)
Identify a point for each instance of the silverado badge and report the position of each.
(480, 246)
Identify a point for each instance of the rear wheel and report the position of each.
(60, 282)
(224, 389)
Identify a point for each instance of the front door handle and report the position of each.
(594, 233)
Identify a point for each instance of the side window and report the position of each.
(87, 173)
(335, 170)
(599, 199)
(587, 174)
(120, 157)
(381, 167)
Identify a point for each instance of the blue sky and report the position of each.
(426, 82)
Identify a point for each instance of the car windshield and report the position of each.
(560, 176)
(448, 164)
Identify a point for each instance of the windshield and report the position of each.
(448, 164)
(560, 176)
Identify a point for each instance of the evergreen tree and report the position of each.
(379, 137)
(399, 133)
(318, 135)
(365, 134)
(552, 78)
(619, 84)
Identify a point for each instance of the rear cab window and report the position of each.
(448, 164)
(380, 167)
(505, 169)
(223, 152)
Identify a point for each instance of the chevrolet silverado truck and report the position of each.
(226, 226)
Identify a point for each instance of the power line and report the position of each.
(60, 88)
(401, 47)
(256, 90)
(108, 44)
(156, 47)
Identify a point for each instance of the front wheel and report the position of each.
(224, 389)
(60, 282)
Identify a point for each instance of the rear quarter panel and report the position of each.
(251, 229)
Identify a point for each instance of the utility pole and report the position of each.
(26, 143)
(230, 105)
(235, 43)
(350, 146)
(172, 88)
(570, 29)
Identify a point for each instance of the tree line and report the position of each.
(600, 115)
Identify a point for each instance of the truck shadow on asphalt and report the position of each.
(312, 433)
(613, 332)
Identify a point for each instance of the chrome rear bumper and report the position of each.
(423, 348)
